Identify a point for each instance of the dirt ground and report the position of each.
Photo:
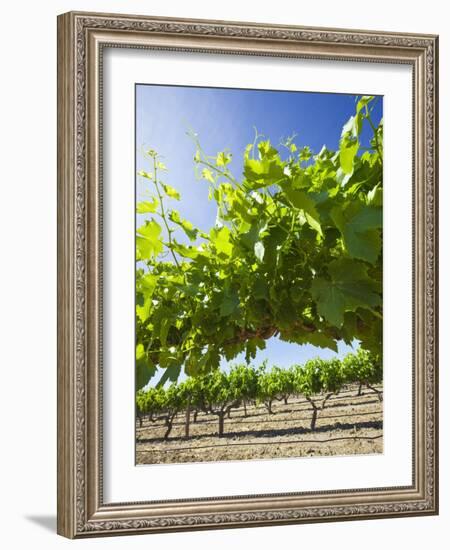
(349, 424)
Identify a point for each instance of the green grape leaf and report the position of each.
(147, 207)
(250, 234)
(185, 225)
(375, 196)
(266, 150)
(286, 313)
(230, 302)
(262, 173)
(220, 238)
(260, 289)
(171, 192)
(144, 367)
(186, 251)
(145, 174)
(359, 224)
(365, 100)
(148, 242)
(143, 311)
(259, 251)
(208, 175)
(349, 288)
(348, 149)
(147, 283)
(171, 372)
(302, 180)
(223, 158)
(321, 340)
(305, 154)
(349, 143)
(304, 201)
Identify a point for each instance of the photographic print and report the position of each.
(239, 296)
(258, 274)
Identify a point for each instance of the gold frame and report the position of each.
(81, 38)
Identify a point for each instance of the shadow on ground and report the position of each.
(371, 424)
(46, 522)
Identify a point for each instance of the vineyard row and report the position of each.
(218, 392)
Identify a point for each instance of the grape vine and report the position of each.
(295, 253)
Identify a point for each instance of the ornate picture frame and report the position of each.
(82, 39)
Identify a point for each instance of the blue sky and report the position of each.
(226, 118)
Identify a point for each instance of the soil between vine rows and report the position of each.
(349, 424)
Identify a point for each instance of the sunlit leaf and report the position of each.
(147, 207)
(207, 175)
(259, 250)
(187, 226)
(171, 192)
(223, 158)
(220, 238)
(145, 174)
(148, 240)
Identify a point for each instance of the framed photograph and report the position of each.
(247, 274)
